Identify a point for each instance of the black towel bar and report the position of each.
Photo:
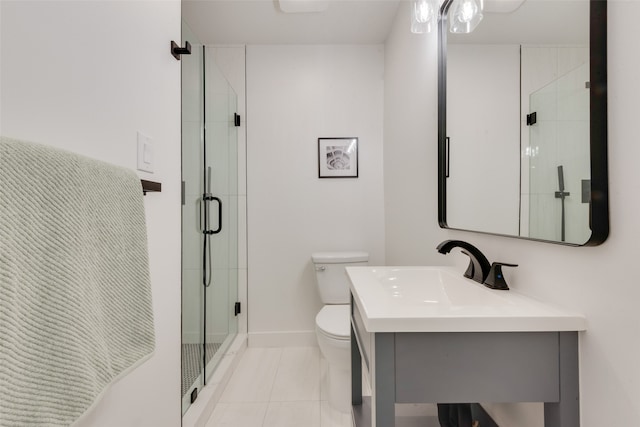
(150, 186)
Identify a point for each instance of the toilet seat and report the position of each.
(334, 321)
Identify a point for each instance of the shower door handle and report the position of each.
(217, 230)
(204, 227)
(207, 198)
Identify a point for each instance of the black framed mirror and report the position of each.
(522, 119)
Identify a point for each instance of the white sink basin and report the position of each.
(440, 299)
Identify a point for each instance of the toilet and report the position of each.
(333, 321)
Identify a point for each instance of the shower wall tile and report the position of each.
(539, 68)
(232, 161)
(217, 138)
(534, 219)
(231, 61)
(191, 236)
(574, 155)
(569, 147)
(226, 153)
(543, 175)
(217, 305)
(192, 157)
(544, 102)
(242, 232)
(577, 229)
(573, 145)
(221, 157)
(573, 96)
(232, 230)
(217, 90)
(219, 109)
(242, 162)
(570, 58)
(525, 165)
(232, 298)
(192, 85)
(220, 242)
(242, 297)
(192, 294)
(545, 217)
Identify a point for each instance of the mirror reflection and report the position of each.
(518, 120)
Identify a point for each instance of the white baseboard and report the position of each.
(283, 339)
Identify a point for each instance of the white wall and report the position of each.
(84, 77)
(599, 282)
(296, 94)
(1, 68)
(410, 148)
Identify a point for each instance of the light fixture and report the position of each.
(423, 16)
(465, 15)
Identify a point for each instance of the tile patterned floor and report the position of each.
(278, 387)
(286, 387)
(192, 362)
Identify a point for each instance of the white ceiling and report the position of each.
(262, 22)
(223, 22)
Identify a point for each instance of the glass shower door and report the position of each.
(559, 164)
(192, 171)
(221, 158)
(209, 217)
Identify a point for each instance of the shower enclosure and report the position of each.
(209, 217)
(559, 168)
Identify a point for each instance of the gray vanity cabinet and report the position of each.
(456, 367)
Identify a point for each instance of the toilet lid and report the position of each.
(334, 320)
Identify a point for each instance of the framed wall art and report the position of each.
(337, 157)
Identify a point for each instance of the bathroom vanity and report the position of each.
(428, 335)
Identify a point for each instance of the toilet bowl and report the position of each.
(334, 340)
(333, 322)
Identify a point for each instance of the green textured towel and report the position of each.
(75, 296)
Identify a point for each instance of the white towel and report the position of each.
(75, 296)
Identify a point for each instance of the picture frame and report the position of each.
(338, 157)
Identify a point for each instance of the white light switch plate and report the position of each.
(145, 153)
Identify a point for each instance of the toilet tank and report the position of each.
(331, 277)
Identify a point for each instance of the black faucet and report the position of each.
(479, 266)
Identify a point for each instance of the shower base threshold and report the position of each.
(200, 411)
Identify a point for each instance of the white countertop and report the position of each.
(440, 299)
